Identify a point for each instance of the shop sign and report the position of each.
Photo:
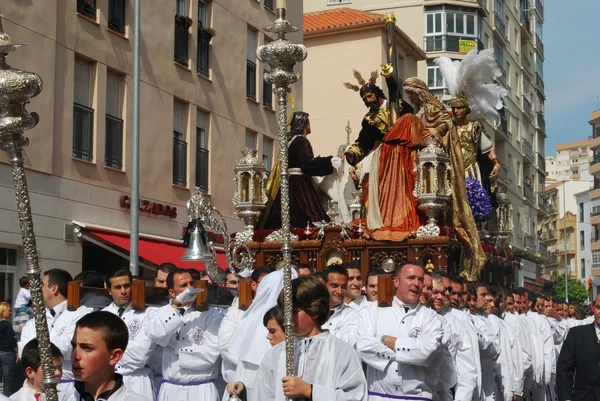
(159, 209)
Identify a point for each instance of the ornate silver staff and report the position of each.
(282, 55)
(16, 88)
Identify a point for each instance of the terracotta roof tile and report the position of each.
(339, 17)
(350, 17)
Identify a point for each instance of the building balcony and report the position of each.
(526, 105)
(525, 20)
(540, 122)
(539, 45)
(527, 151)
(549, 235)
(504, 175)
(502, 77)
(595, 246)
(595, 272)
(528, 194)
(448, 43)
(502, 128)
(499, 26)
(528, 242)
(552, 260)
(560, 246)
(594, 194)
(541, 163)
(595, 219)
(594, 167)
(594, 142)
(542, 250)
(539, 81)
(539, 7)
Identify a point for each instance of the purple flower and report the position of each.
(479, 200)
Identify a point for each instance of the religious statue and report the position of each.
(384, 156)
(304, 202)
(474, 94)
(438, 122)
(429, 267)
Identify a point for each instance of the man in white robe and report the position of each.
(132, 366)
(343, 321)
(354, 298)
(511, 317)
(189, 337)
(547, 341)
(400, 344)
(61, 322)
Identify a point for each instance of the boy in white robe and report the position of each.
(326, 368)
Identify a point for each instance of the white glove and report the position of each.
(188, 295)
(336, 162)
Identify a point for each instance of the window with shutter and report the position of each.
(251, 64)
(267, 153)
(202, 166)
(179, 144)
(250, 140)
(83, 82)
(113, 149)
(83, 114)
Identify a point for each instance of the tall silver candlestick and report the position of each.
(282, 55)
(16, 88)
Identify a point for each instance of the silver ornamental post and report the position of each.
(282, 55)
(16, 88)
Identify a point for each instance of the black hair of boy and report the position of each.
(310, 295)
(334, 269)
(31, 354)
(117, 272)
(261, 271)
(23, 281)
(194, 273)
(60, 278)
(90, 278)
(171, 277)
(113, 330)
(165, 268)
(274, 313)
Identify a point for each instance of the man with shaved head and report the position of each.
(401, 343)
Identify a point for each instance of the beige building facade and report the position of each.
(594, 146)
(514, 29)
(572, 162)
(202, 100)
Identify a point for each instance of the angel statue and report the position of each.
(438, 122)
(470, 85)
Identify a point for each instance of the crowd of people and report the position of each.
(441, 339)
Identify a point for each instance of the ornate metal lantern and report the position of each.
(16, 88)
(433, 185)
(203, 215)
(250, 198)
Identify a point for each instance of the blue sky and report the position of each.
(571, 69)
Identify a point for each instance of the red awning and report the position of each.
(153, 250)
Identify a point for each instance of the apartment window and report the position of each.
(87, 7)
(202, 166)
(116, 15)
(83, 114)
(508, 72)
(499, 8)
(461, 24)
(113, 150)
(595, 259)
(526, 220)
(267, 88)
(581, 212)
(269, 4)
(250, 140)
(582, 240)
(435, 79)
(251, 64)
(182, 26)
(433, 23)
(267, 154)
(179, 144)
(582, 268)
(202, 62)
(499, 55)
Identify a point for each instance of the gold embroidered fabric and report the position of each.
(467, 145)
(380, 119)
